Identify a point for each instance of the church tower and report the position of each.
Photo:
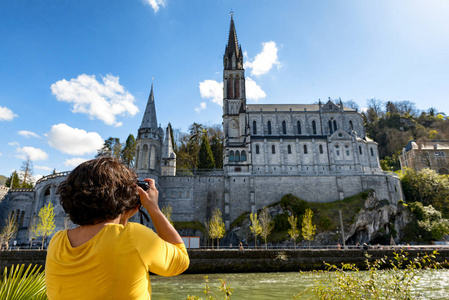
(237, 156)
(149, 143)
(168, 155)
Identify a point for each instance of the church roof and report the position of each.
(233, 49)
(287, 107)
(149, 118)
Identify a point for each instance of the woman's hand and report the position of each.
(149, 198)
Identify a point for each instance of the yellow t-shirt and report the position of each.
(114, 264)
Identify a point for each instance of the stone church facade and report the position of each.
(318, 152)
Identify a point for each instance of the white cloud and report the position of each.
(28, 134)
(74, 162)
(33, 153)
(45, 168)
(13, 144)
(74, 141)
(253, 91)
(212, 90)
(202, 107)
(6, 114)
(156, 4)
(264, 61)
(100, 101)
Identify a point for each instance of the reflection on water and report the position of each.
(432, 285)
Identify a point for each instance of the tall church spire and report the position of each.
(149, 120)
(233, 58)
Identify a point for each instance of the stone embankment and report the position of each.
(245, 261)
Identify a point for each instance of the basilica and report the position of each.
(317, 152)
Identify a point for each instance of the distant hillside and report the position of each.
(393, 124)
(2, 180)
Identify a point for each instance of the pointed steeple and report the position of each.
(233, 58)
(149, 120)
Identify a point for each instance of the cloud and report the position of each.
(45, 168)
(28, 134)
(74, 141)
(13, 144)
(253, 91)
(33, 153)
(264, 61)
(74, 162)
(156, 4)
(202, 107)
(212, 90)
(1, 154)
(100, 101)
(6, 114)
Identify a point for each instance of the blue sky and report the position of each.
(74, 73)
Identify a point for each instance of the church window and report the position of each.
(330, 127)
(257, 149)
(289, 149)
(17, 216)
(313, 127)
(269, 127)
(360, 149)
(298, 124)
(180, 194)
(145, 157)
(153, 158)
(254, 127)
(305, 149)
(273, 149)
(351, 126)
(284, 127)
(347, 152)
(372, 152)
(231, 156)
(321, 149)
(230, 88)
(335, 125)
(338, 152)
(188, 194)
(22, 215)
(243, 155)
(237, 88)
(237, 156)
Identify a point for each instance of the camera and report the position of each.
(143, 184)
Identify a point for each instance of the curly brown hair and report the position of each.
(98, 190)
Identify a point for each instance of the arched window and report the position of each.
(231, 87)
(153, 157)
(273, 149)
(145, 156)
(313, 127)
(231, 156)
(351, 126)
(284, 127)
(188, 194)
(269, 127)
(17, 216)
(243, 155)
(237, 156)
(237, 88)
(330, 127)
(305, 149)
(298, 124)
(254, 127)
(360, 149)
(257, 149)
(289, 149)
(22, 215)
(372, 152)
(335, 125)
(321, 149)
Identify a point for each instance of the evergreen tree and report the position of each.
(129, 151)
(175, 146)
(15, 181)
(111, 147)
(205, 156)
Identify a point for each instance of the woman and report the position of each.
(107, 257)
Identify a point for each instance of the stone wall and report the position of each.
(247, 261)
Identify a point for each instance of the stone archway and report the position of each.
(443, 171)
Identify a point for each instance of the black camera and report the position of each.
(143, 184)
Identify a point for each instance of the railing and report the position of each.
(202, 172)
(60, 174)
(332, 247)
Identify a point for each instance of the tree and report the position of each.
(216, 227)
(308, 229)
(167, 211)
(46, 223)
(27, 173)
(111, 147)
(129, 151)
(172, 136)
(256, 229)
(293, 232)
(9, 230)
(266, 224)
(15, 181)
(205, 156)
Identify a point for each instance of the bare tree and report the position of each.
(27, 173)
(9, 230)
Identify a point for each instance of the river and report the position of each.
(263, 286)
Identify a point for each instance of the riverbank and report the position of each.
(259, 260)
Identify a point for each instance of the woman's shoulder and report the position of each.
(139, 230)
